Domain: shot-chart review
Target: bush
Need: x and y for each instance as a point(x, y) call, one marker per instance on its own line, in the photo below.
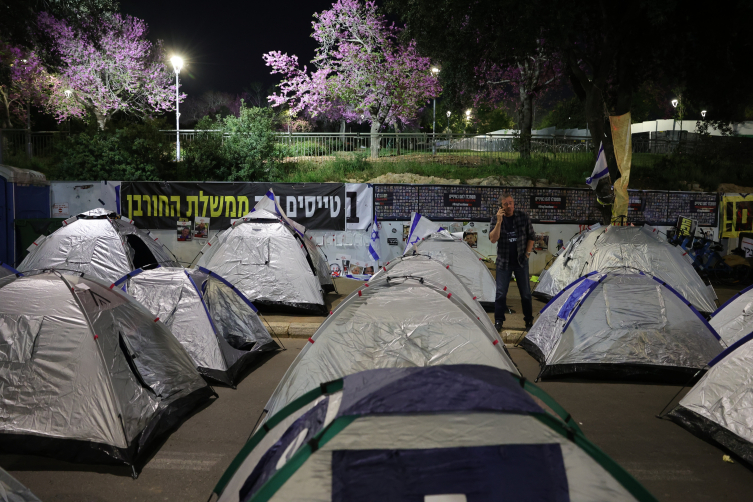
point(307, 149)
point(202, 157)
point(134, 152)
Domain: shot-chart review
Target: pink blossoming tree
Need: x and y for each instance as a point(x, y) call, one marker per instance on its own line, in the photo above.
point(119, 71)
point(28, 83)
point(362, 71)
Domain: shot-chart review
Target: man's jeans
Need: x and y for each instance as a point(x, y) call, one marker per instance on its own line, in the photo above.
point(503, 284)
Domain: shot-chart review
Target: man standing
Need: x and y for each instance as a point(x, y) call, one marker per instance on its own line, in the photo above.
point(513, 232)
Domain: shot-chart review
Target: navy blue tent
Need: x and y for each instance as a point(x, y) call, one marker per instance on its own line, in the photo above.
point(452, 432)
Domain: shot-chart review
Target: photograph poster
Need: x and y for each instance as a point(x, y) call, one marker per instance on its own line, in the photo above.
point(184, 231)
point(201, 228)
point(542, 241)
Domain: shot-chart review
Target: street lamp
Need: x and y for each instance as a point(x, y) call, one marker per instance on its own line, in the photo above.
point(177, 62)
point(435, 72)
point(467, 119)
point(675, 102)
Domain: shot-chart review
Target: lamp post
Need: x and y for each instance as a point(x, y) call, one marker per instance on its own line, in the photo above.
point(467, 118)
point(703, 114)
point(177, 64)
point(676, 102)
point(448, 129)
point(435, 72)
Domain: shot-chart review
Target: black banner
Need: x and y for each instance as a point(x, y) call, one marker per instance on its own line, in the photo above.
point(318, 206)
point(557, 202)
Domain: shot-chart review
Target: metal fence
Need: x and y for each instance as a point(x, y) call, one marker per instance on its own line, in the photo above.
point(22, 143)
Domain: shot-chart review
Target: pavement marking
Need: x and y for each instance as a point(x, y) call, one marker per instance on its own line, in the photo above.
point(184, 461)
point(658, 472)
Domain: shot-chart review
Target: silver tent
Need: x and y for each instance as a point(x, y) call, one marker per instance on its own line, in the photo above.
point(6, 270)
point(271, 262)
point(395, 321)
point(621, 326)
point(98, 243)
point(213, 321)
point(447, 433)
point(719, 408)
point(463, 261)
point(87, 374)
point(13, 491)
point(626, 248)
point(734, 319)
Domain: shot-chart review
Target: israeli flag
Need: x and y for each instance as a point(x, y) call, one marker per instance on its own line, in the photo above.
point(420, 227)
point(374, 247)
point(600, 169)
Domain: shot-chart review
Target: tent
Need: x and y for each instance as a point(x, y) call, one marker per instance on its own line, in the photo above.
point(13, 491)
point(98, 243)
point(269, 258)
point(213, 321)
point(609, 248)
point(719, 407)
point(86, 374)
point(440, 434)
point(6, 270)
point(435, 271)
point(734, 319)
point(463, 261)
point(395, 321)
point(621, 326)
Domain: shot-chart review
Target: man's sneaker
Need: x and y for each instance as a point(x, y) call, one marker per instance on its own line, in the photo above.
point(529, 324)
point(498, 326)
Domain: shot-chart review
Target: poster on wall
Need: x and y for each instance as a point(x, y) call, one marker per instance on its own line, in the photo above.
point(471, 238)
point(541, 241)
point(201, 228)
point(161, 204)
point(737, 214)
point(746, 244)
point(359, 205)
point(185, 233)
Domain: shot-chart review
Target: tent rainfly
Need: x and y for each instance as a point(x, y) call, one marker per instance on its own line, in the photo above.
point(86, 374)
point(98, 243)
point(611, 248)
point(734, 319)
point(621, 326)
point(446, 433)
point(428, 238)
point(6, 270)
point(13, 491)
point(213, 321)
point(395, 321)
point(268, 257)
point(719, 408)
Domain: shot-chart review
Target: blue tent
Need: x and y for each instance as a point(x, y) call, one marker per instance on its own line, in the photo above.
point(453, 432)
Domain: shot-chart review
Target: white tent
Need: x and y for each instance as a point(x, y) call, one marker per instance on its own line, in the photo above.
point(98, 243)
point(86, 374)
point(447, 433)
point(621, 326)
point(734, 319)
point(13, 491)
point(394, 321)
point(604, 249)
point(270, 260)
point(216, 325)
point(719, 408)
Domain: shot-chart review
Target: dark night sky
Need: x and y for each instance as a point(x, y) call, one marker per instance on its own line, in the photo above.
point(222, 40)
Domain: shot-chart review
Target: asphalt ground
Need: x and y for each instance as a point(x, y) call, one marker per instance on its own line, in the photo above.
point(619, 418)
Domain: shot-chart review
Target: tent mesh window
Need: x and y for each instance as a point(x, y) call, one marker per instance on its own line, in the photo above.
point(635, 306)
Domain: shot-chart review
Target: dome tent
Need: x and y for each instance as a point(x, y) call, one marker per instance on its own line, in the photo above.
point(734, 319)
point(395, 321)
point(213, 321)
point(268, 257)
point(6, 270)
point(621, 326)
point(13, 491)
point(719, 408)
point(98, 243)
point(428, 238)
point(612, 248)
point(87, 374)
point(450, 432)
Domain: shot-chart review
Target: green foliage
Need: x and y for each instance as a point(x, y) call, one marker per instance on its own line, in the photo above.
point(308, 149)
point(134, 152)
point(492, 119)
point(568, 114)
point(245, 149)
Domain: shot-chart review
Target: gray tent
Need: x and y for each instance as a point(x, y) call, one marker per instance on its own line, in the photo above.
point(626, 248)
point(734, 319)
point(6, 270)
point(213, 321)
point(86, 373)
point(395, 321)
point(621, 326)
point(463, 261)
point(98, 243)
point(272, 263)
point(13, 491)
point(446, 433)
point(719, 408)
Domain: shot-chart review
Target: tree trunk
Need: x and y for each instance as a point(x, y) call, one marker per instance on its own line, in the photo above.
point(397, 138)
point(375, 127)
point(525, 122)
point(101, 120)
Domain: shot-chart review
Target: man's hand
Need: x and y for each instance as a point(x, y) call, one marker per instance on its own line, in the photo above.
point(500, 214)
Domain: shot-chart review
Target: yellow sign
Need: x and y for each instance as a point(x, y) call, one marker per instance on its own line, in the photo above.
point(623, 151)
point(737, 212)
